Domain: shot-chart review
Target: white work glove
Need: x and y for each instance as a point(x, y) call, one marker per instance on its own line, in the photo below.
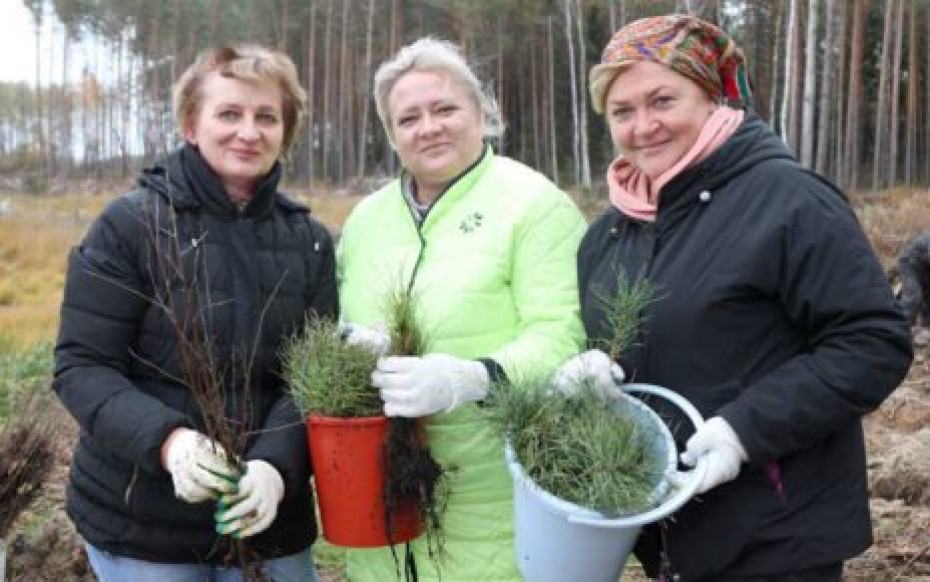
point(252, 508)
point(419, 386)
point(725, 455)
point(375, 338)
point(199, 468)
point(592, 368)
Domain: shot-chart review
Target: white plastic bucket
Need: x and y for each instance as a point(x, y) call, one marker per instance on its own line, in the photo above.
point(558, 541)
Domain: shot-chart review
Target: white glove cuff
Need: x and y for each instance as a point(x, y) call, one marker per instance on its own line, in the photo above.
point(469, 383)
point(728, 436)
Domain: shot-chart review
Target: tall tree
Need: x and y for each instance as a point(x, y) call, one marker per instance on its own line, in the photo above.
point(366, 98)
point(583, 101)
point(912, 121)
point(839, 141)
point(879, 160)
point(573, 87)
point(827, 78)
point(855, 94)
point(806, 143)
point(895, 122)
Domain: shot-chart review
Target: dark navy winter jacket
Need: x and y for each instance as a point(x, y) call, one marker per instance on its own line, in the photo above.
point(255, 274)
point(770, 310)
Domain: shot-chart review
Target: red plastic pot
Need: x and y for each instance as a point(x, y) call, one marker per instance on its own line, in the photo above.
point(349, 475)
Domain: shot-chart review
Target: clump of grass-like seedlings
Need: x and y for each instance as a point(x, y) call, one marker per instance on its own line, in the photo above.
point(414, 475)
point(327, 376)
point(594, 454)
point(577, 448)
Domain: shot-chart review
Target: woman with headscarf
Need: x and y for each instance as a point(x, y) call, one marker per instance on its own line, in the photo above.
point(770, 312)
point(486, 245)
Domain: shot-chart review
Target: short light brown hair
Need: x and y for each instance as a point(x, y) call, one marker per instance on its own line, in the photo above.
point(245, 62)
point(437, 56)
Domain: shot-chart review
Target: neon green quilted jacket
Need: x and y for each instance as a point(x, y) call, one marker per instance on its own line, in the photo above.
point(493, 265)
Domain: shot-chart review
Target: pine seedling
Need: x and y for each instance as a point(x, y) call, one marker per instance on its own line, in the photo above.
point(327, 376)
point(623, 310)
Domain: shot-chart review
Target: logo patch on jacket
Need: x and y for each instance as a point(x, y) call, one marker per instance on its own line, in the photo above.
point(471, 222)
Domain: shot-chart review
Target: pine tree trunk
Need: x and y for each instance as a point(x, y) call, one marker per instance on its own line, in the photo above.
point(366, 92)
point(913, 71)
point(855, 94)
point(881, 116)
point(827, 82)
point(894, 123)
point(806, 143)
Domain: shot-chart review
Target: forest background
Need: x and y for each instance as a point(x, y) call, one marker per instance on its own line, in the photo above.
point(845, 82)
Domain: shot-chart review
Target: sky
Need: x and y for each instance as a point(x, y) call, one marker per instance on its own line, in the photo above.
point(17, 42)
point(18, 45)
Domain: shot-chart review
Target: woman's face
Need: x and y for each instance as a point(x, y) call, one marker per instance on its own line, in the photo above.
point(239, 129)
point(437, 127)
point(655, 115)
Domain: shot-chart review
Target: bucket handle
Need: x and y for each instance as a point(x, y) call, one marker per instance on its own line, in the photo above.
point(680, 496)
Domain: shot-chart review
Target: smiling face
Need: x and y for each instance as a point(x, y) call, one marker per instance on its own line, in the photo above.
point(239, 130)
point(655, 115)
point(437, 129)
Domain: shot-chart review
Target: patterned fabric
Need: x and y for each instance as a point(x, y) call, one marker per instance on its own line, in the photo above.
point(694, 48)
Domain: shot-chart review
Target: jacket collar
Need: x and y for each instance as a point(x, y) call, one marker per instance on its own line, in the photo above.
point(185, 179)
point(457, 189)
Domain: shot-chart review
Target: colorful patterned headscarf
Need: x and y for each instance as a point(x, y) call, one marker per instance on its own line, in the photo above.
point(689, 46)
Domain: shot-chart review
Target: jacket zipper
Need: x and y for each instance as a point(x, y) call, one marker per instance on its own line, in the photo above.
point(132, 482)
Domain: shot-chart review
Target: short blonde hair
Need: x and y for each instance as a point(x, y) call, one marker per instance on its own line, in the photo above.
point(246, 62)
point(600, 79)
point(440, 56)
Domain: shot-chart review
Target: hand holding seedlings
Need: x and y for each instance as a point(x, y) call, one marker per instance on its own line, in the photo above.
point(252, 507)
point(199, 468)
point(375, 338)
point(419, 386)
point(725, 454)
point(592, 368)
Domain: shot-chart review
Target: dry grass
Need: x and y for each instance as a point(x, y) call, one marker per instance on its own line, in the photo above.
point(893, 217)
point(35, 238)
point(34, 241)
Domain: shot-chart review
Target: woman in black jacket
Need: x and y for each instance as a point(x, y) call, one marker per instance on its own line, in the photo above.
point(208, 250)
point(770, 312)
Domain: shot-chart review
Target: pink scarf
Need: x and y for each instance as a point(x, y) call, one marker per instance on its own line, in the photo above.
point(631, 191)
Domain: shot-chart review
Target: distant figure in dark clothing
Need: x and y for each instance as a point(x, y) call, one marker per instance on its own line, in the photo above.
point(913, 266)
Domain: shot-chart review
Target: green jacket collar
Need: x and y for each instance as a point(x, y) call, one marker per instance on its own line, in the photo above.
point(457, 189)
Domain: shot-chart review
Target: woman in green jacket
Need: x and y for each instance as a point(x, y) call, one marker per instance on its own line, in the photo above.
point(487, 246)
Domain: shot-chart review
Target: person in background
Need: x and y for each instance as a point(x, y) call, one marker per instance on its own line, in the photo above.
point(770, 312)
point(145, 477)
point(485, 244)
point(913, 270)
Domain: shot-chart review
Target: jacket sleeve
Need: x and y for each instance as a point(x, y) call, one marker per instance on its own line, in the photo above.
point(833, 290)
point(100, 314)
point(545, 290)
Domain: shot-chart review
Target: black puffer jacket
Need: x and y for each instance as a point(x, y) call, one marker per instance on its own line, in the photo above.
point(771, 311)
point(258, 273)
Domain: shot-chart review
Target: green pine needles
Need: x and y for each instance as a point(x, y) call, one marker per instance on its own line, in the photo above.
point(328, 377)
point(598, 455)
point(623, 310)
point(407, 331)
point(578, 449)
